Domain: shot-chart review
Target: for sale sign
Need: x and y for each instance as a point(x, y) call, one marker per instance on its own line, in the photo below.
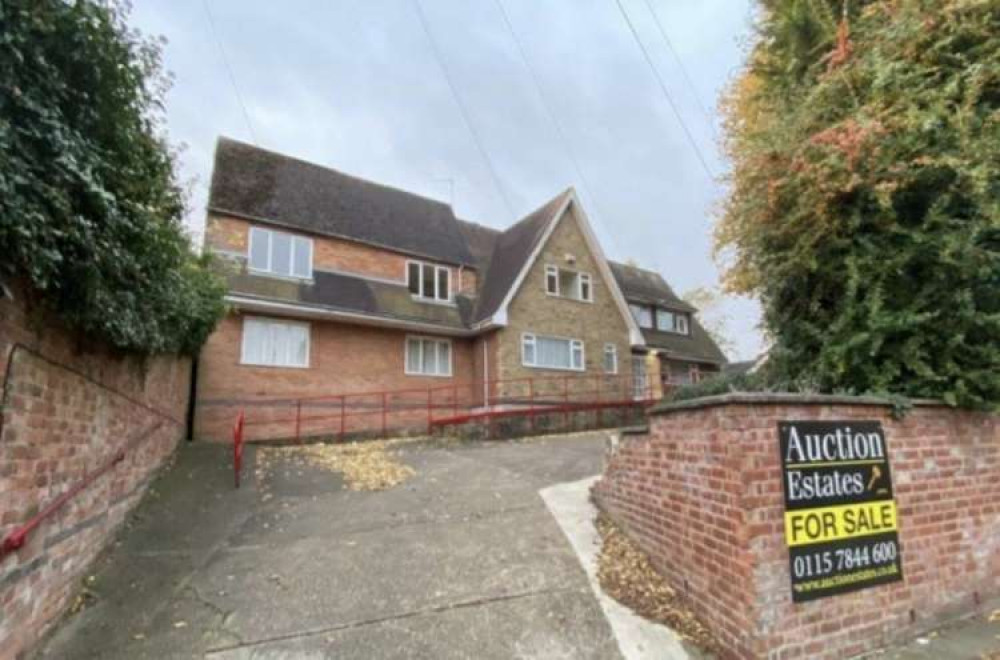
point(840, 516)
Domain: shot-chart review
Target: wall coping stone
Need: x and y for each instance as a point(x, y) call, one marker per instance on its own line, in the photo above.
point(782, 398)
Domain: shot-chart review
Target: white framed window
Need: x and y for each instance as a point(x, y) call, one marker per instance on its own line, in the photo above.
point(552, 280)
point(568, 284)
point(643, 315)
point(280, 253)
point(586, 291)
point(681, 323)
point(610, 359)
point(664, 320)
point(274, 343)
point(552, 352)
point(428, 281)
point(427, 356)
point(671, 321)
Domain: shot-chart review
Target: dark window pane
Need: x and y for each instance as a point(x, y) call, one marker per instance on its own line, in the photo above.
point(413, 278)
point(443, 283)
point(428, 289)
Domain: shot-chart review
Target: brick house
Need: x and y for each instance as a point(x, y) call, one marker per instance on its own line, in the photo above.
point(338, 285)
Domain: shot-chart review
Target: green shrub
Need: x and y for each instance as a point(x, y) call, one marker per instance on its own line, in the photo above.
point(90, 211)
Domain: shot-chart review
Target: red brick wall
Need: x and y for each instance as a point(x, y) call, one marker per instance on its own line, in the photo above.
point(231, 234)
point(702, 494)
point(343, 359)
point(63, 413)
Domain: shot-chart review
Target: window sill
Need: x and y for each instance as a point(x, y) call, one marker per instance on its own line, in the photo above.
point(576, 300)
point(422, 375)
point(273, 366)
point(434, 301)
point(569, 369)
point(284, 278)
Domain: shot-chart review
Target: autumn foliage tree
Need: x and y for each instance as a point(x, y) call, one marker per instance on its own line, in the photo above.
point(864, 208)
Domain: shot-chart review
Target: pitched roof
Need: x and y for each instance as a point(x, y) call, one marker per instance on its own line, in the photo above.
point(271, 187)
point(480, 241)
point(698, 346)
point(647, 286)
point(511, 251)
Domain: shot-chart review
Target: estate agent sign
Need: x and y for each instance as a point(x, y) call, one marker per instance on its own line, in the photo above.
point(840, 516)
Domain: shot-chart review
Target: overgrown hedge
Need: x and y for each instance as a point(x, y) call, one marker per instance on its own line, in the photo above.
point(90, 210)
point(865, 194)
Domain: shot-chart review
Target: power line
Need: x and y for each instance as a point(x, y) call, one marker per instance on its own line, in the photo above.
point(680, 63)
point(229, 70)
point(462, 109)
point(552, 117)
point(666, 92)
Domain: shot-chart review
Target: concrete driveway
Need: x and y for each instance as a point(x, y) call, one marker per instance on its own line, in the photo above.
point(464, 560)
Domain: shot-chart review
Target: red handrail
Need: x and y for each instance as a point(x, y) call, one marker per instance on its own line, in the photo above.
point(377, 411)
point(16, 539)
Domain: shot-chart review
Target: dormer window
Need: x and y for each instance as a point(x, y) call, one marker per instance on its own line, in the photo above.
point(643, 315)
point(568, 284)
point(676, 322)
point(279, 253)
point(428, 281)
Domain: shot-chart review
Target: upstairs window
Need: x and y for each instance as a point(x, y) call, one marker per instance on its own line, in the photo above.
point(643, 315)
point(428, 282)
point(568, 284)
point(551, 352)
point(671, 322)
point(279, 253)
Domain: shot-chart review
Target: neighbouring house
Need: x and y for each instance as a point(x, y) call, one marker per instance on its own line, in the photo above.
point(340, 285)
point(677, 350)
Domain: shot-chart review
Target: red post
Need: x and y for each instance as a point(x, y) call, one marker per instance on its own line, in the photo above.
point(531, 405)
point(566, 402)
point(343, 416)
point(298, 421)
point(600, 402)
point(384, 404)
point(430, 411)
point(238, 448)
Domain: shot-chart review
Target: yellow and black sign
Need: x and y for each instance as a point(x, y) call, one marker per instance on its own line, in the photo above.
point(840, 516)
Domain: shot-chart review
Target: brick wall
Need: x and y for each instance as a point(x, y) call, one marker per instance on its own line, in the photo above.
point(65, 411)
point(232, 235)
point(702, 494)
point(343, 358)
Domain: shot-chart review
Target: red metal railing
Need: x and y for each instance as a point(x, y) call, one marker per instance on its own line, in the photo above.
point(378, 412)
point(19, 535)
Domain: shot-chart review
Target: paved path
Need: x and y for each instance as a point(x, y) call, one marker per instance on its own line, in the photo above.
point(462, 561)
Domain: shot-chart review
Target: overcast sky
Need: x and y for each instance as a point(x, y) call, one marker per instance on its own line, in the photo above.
point(459, 115)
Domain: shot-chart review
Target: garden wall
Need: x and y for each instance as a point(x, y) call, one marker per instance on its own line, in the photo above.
point(702, 494)
point(67, 408)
